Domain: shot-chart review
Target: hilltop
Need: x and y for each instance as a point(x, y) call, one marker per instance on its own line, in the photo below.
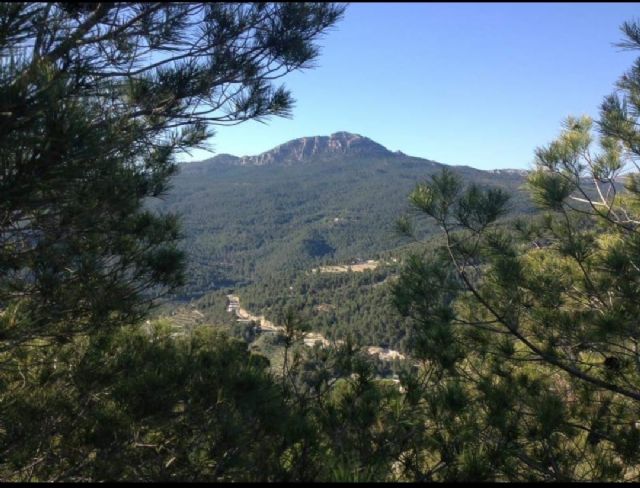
point(308, 149)
point(311, 201)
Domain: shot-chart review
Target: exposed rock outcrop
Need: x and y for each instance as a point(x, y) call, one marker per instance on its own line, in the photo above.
point(306, 149)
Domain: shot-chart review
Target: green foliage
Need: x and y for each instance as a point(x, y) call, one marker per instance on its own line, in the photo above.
point(243, 224)
point(95, 101)
point(544, 315)
point(424, 291)
point(523, 335)
point(338, 305)
point(549, 190)
point(90, 128)
point(143, 405)
point(477, 209)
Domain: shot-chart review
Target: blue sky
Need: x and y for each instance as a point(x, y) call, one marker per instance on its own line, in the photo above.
point(459, 83)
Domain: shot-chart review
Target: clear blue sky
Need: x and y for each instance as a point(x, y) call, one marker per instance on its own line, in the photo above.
point(474, 84)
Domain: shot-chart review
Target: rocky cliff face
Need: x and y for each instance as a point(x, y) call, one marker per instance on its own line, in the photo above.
point(307, 149)
point(340, 145)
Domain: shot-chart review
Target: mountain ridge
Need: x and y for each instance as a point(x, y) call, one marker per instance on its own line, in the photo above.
point(317, 148)
point(309, 148)
point(308, 202)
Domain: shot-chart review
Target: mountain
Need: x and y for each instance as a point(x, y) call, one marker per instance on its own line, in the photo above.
point(307, 202)
point(308, 149)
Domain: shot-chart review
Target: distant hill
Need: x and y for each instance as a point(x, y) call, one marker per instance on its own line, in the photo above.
point(308, 149)
point(309, 201)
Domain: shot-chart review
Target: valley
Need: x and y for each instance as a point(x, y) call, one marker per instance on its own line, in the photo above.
point(203, 278)
point(309, 339)
point(309, 225)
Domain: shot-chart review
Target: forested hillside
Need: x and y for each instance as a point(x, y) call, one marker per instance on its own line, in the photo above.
point(301, 204)
point(328, 310)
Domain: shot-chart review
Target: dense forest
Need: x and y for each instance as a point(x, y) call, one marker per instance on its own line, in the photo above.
point(243, 223)
point(512, 296)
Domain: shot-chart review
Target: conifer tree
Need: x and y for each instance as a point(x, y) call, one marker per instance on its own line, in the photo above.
point(535, 323)
point(95, 101)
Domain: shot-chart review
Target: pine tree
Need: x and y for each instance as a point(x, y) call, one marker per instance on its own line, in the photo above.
point(534, 323)
point(96, 99)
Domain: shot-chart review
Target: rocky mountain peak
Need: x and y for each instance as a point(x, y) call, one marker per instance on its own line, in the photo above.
point(309, 148)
